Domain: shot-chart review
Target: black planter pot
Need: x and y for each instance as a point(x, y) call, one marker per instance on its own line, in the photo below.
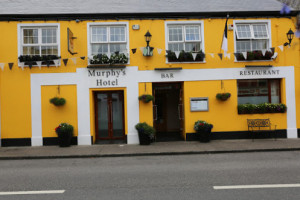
point(144, 139)
point(204, 135)
point(64, 139)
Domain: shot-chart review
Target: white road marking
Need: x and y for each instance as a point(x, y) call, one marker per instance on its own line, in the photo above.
point(233, 187)
point(33, 192)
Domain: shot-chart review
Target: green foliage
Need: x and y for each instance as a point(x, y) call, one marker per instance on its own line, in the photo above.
point(27, 58)
point(255, 55)
point(201, 125)
point(223, 96)
point(116, 58)
point(185, 56)
point(146, 98)
point(58, 101)
point(64, 128)
point(144, 128)
point(261, 108)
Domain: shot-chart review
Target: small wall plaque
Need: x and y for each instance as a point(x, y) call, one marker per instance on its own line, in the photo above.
point(199, 104)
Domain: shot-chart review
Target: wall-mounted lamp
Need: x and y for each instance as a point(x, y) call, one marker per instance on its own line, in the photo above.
point(290, 36)
point(148, 51)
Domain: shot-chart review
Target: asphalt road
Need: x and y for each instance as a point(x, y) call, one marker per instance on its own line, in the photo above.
point(155, 177)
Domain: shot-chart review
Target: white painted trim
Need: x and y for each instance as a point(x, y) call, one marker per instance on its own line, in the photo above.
point(250, 22)
point(89, 24)
point(40, 25)
point(32, 192)
point(130, 82)
point(201, 23)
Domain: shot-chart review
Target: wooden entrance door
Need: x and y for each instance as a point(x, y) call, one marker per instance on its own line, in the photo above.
point(109, 111)
point(168, 111)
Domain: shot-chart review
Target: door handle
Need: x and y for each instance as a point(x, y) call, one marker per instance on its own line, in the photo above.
point(155, 108)
point(179, 112)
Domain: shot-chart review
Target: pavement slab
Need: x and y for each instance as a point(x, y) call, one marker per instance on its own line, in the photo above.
point(157, 148)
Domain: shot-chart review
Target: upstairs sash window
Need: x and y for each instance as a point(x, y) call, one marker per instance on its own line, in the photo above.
point(251, 37)
point(108, 39)
point(39, 41)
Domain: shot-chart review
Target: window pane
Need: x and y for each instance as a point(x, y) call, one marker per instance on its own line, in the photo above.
point(99, 49)
point(99, 34)
point(175, 33)
point(243, 46)
point(260, 44)
point(31, 50)
point(49, 36)
point(260, 31)
point(49, 50)
point(192, 33)
point(30, 36)
point(176, 46)
point(275, 91)
point(192, 46)
point(117, 34)
point(117, 47)
point(243, 31)
point(257, 91)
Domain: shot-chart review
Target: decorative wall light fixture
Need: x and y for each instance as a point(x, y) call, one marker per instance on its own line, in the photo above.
point(148, 51)
point(290, 36)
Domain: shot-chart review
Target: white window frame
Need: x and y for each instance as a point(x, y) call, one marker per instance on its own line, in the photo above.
point(252, 22)
point(107, 24)
point(185, 23)
point(34, 26)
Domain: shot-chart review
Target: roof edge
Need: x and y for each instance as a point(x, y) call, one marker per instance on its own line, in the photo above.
point(120, 16)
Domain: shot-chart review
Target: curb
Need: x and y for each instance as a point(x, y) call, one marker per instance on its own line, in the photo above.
point(147, 154)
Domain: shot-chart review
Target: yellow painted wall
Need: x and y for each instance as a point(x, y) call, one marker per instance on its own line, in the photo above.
point(53, 115)
point(146, 109)
point(222, 114)
point(15, 83)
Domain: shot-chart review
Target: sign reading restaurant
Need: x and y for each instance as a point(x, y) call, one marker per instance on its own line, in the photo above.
point(107, 77)
point(263, 72)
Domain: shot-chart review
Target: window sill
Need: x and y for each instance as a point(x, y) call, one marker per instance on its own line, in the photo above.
point(247, 61)
point(105, 66)
point(200, 62)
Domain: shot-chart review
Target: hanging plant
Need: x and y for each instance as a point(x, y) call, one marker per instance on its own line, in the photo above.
point(58, 101)
point(146, 98)
point(223, 96)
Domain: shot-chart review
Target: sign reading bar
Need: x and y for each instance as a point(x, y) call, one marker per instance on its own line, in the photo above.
point(71, 42)
point(199, 104)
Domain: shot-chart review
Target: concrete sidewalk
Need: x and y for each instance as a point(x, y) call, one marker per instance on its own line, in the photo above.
point(158, 148)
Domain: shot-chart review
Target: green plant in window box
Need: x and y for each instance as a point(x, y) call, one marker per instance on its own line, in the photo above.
point(255, 55)
point(58, 101)
point(116, 58)
point(31, 59)
point(146, 98)
point(185, 56)
point(261, 108)
point(223, 96)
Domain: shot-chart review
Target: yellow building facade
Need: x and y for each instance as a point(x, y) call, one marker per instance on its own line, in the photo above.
point(184, 72)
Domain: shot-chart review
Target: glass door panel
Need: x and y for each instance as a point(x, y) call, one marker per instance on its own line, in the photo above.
point(103, 122)
point(117, 115)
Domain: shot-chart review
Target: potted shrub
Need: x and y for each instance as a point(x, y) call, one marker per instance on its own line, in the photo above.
point(146, 98)
point(203, 130)
point(65, 133)
point(223, 96)
point(58, 101)
point(146, 133)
